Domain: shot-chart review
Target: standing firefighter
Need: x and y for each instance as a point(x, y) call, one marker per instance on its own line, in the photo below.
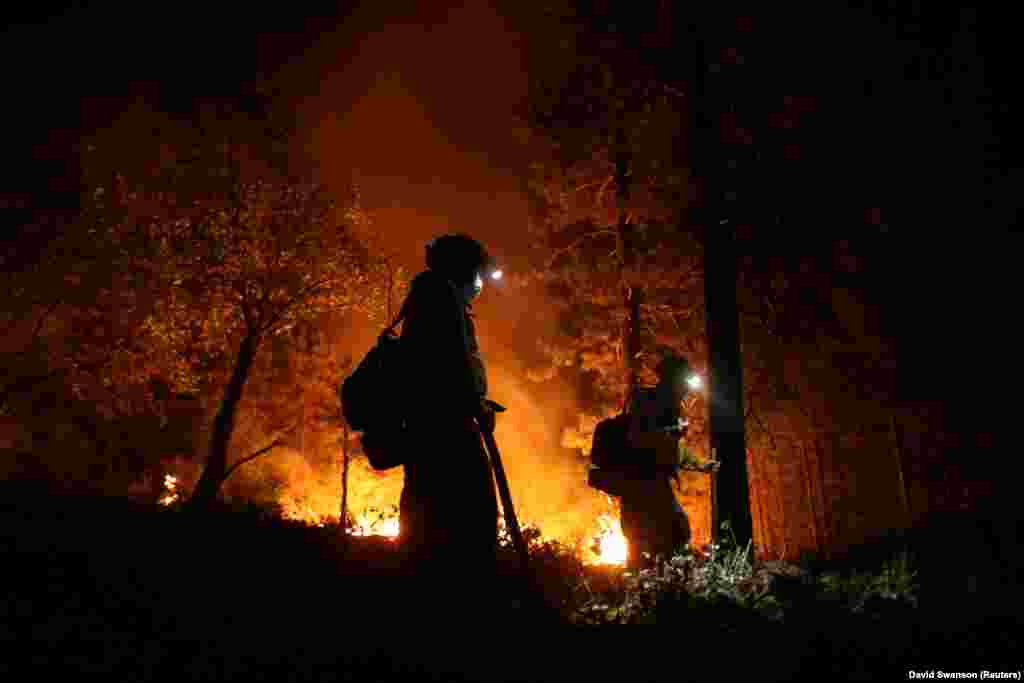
point(448, 507)
point(637, 456)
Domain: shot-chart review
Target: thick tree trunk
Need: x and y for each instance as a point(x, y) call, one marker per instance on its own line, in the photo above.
point(215, 471)
point(808, 477)
point(715, 217)
point(726, 383)
point(827, 526)
point(762, 540)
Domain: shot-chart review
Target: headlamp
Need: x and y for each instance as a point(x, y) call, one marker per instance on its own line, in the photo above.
point(695, 381)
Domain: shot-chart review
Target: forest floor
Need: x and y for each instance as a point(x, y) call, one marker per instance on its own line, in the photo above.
point(137, 593)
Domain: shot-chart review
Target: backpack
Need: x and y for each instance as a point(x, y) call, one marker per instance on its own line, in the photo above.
point(368, 401)
point(626, 450)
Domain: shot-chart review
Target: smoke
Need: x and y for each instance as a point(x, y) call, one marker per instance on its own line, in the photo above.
point(548, 482)
point(420, 111)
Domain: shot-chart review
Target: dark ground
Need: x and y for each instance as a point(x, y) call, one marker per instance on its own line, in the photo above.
point(96, 585)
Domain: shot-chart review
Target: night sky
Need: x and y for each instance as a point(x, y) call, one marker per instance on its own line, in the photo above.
point(415, 104)
point(417, 101)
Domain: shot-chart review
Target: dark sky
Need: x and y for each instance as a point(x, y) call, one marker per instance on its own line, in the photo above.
point(416, 100)
point(422, 94)
point(417, 104)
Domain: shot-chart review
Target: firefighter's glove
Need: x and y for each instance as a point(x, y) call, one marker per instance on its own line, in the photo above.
point(486, 418)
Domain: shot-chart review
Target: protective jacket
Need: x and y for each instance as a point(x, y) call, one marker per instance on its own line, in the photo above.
point(448, 505)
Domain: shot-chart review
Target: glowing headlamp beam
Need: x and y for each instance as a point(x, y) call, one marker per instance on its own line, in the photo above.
point(694, 381)
point(496, 275)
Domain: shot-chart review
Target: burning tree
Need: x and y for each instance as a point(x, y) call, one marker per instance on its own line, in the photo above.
point(233, 251)
point(785, 250)
point(608, 188)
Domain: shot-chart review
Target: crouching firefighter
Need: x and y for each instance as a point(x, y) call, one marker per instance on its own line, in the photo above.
point(448, 507)
point(636, 455)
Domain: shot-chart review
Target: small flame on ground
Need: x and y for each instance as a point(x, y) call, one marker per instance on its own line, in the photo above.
point(171, 488)
point(301, 513)
point(371, 522)
point(379, 524)
point(610, 546)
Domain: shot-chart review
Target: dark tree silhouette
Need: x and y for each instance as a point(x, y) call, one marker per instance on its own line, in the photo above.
point(715, 215)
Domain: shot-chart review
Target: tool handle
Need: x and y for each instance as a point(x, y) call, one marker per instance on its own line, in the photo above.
point(506, 500)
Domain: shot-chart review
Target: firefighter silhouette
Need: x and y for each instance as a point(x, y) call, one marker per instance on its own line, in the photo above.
point(637, 457)
point(448, 508)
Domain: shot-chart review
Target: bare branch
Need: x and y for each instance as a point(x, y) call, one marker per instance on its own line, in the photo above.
point(585, 186)
point(599, 200)
point(42, 319)
point(248, 458)
point(576, 243)
point(283, 310)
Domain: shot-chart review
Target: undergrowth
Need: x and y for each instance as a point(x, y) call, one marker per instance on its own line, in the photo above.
point(723, 576)
point(726, 577)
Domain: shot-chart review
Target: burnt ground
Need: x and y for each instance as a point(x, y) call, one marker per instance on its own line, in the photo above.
point(134, 592)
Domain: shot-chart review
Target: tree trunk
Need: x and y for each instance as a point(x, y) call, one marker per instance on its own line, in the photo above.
point(778, 509)
point(762, 540)
point(808, 477)
point(716, 223)
point(827, 526)
point(215, 471)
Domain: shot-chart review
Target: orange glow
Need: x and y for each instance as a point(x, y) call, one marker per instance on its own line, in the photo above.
point(171, 494)
point(610, 546)
point(379, 524)
point(302, 513)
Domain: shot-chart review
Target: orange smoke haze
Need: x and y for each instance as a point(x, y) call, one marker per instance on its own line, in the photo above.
point(548, 483)
point(420, 113)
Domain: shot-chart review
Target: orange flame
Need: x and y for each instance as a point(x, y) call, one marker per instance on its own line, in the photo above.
point(302, 513)
point(610, 546)
point(380, 524)
point(171, 488)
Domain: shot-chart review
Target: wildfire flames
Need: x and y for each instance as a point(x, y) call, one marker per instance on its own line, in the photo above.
point(610, 545)
point(607, 544)
point(371, 522)
point(171, 494)
point(378, 524)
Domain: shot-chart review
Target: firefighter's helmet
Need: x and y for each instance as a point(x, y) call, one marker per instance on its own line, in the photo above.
point(459, 257)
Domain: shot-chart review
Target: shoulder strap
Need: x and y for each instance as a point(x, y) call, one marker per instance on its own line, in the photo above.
point(401, 316)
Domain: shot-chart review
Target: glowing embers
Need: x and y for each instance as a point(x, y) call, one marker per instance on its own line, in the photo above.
point(530, 531)
point(171, 494)
point(296, 512)
point(374, 522)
